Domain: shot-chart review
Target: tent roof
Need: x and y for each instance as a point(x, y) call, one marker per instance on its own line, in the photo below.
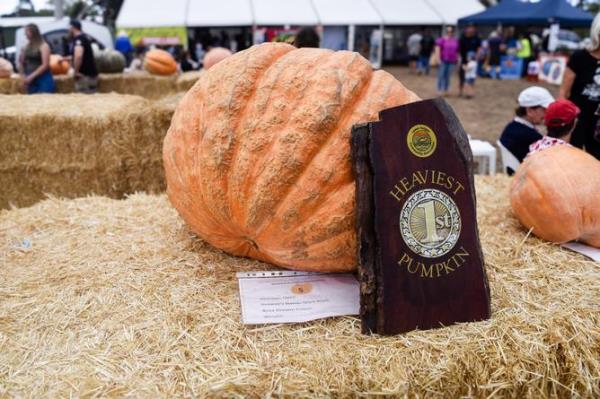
point(152, 13)
point(337, 12)
point(219, 13)
point(451, 11)
point(518, 12)
point(284, 12)
point(407, 12)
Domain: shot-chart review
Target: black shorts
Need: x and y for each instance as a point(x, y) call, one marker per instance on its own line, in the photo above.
point(413, 57)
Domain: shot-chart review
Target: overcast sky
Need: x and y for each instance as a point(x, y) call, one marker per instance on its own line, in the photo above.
point(7, 6)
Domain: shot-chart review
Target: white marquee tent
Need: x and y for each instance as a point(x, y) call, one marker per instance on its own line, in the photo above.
point(196, 13)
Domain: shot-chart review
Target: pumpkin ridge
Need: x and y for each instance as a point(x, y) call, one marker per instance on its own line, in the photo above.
point(242, 118)
point(347, 112)
point(262, 166)
point(213, 180)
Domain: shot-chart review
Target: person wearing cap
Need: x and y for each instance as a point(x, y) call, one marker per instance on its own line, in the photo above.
point(560, 121)
point(519, 134)
point(84, 64)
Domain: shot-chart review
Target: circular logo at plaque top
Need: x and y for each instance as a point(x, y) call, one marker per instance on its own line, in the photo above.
point(421, 141)
point(430, 223)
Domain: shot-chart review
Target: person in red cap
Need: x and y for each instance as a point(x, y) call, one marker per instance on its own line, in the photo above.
point(560, 121)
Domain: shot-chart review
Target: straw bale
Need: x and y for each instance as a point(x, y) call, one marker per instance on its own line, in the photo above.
point(186, 80)
point(110, 298)
point(139, 83)
point(64, 83)
point(11, 86)
point(73, 145)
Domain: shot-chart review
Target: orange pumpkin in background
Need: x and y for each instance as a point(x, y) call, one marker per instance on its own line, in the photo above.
point(215, 56)
point(557, 193)
point(257, 157)
point(6, 68)
point(59, 65)
point(160, 62)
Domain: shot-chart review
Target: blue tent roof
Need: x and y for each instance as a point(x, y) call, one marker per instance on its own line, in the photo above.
point(522, 12)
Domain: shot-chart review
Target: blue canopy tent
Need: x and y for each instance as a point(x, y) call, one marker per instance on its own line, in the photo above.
point(522, 12)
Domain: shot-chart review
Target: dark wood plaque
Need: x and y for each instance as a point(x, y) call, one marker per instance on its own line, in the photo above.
point(420, 260)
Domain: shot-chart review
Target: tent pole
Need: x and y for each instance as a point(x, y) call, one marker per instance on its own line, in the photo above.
point(58, 9)
point(351, 35)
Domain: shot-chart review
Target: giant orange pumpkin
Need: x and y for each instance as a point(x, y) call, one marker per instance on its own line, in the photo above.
point(214, 56)
point(257, 157)
point(160, 62)
point(557, 193)
point(59, 65)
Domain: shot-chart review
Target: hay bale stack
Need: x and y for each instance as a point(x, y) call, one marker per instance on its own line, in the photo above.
point(64, 83)
point(73, 145)
point(137, 83)
point(11, 86)
point(120, 292)
point(186, 80)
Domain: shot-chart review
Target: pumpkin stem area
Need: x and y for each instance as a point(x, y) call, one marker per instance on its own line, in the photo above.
point(251, 243)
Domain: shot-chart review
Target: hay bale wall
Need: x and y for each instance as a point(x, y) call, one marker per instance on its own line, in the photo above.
point(115, 298)
point(74, 145)
point(186, 80)
point(11, 86)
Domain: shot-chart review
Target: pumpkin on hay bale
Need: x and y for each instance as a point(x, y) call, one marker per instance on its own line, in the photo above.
point(59, 65)
point(556, 193)
point(214, 56)
point(6, 68)
point(257, 157)
point(121, 292)
point(110, 61)
point(160, 62)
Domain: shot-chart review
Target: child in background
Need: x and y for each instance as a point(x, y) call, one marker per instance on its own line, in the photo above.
point(560, 120)
point(470, 69)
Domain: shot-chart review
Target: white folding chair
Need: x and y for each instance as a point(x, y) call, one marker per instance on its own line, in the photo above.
point(508, 159)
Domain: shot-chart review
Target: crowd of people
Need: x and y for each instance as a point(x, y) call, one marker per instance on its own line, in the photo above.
point(573, 119)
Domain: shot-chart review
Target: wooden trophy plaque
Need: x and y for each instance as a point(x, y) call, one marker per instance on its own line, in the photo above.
point(420, 260)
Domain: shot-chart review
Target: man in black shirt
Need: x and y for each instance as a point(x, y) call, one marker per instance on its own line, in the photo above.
point(469, 42)
point(86, 74)
point(519, 134)
point(427, 46)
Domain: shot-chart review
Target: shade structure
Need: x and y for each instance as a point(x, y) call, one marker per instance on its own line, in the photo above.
point(342, 12)
point(284, 12)
point(452, 10)
point(219, 13)
point(407, 12)
point(152, 13)
point(543, 12)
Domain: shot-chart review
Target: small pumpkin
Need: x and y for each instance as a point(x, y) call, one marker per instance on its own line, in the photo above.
point(215, 56)
point(257, 157)
point(110, 61)
point(160, 62)
point(59, 65)
point(557, 193)
point(6, 68)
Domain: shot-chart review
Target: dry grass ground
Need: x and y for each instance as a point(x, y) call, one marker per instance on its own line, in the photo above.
point(113, 298)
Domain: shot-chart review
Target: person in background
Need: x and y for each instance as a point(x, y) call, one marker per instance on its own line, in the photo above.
point(519, 134)
point(200, 53)
point(560, 120)
point(413, 44)
point(581, 85)
point(86, 73)
point(524, 52)
point(447, 47)
point(495, 49)
point(34, 63)
point(123, 46)
point(427, 45)
point(470, 69)
point(307, 37)
point(186, 63)
point(469, 43)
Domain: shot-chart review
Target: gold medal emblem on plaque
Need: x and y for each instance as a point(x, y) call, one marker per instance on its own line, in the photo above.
point(430, 223)
point(421, 140)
